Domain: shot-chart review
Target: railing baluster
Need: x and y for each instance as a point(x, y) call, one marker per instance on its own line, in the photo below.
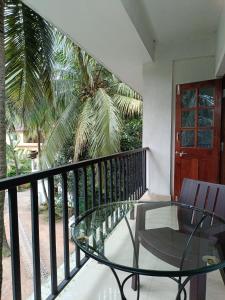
point(132, 177)
point(52, 237)
point(65, 226)
point(106, 180)
point(135, 170)
point(144, 170)
point(119, 178)
point(141, 173)
point(93, 185)
point(116, 180)
point(14, 239)
point(138, 176)
point(99, 183)
point(132, 185)
point(135, 176)
point(127, 180)
point(76, 209)
point(111, 179)
point(85, 195)
point(129, 177)
point(116, 187)
point(124, 179)
point(35, 241)
point(106, 192)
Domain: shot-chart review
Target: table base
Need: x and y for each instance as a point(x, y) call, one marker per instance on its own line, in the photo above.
point(181, 285)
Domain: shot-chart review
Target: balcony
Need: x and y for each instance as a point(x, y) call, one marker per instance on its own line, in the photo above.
point(73, 276)
point(158, 48)
point(79, 186)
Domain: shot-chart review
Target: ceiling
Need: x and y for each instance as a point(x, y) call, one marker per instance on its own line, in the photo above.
point(182, 19)
point(103, 29)
point(121, 34)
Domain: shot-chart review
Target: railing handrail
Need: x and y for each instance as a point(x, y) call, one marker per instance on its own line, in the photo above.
point(14, 181)
point(117, 177)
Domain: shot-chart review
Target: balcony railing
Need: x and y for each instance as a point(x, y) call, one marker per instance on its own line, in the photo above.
point(117, 177)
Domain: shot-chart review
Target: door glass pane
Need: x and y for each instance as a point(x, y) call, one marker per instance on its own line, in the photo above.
point(206, 96)
point(205, 117)
point(205, 138)
point(187, 138)
point(188, 98)
point(188, 118)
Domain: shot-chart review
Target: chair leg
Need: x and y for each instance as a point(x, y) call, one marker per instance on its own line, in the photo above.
point(198, 287)
point(134, 282)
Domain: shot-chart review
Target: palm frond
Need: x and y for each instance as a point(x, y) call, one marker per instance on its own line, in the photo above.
point(128, 106)
point(124, 90)
point(106, 126)
point(29, 48)
point(60, 132)
point(83, 128)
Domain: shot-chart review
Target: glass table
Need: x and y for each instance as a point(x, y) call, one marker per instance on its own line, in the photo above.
point(165, 239)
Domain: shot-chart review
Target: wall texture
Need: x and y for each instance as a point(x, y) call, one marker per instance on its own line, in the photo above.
point(160, 80)
point(157, 124)
point(220, 50)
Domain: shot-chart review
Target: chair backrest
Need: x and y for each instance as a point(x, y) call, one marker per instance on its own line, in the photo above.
point(204, 195)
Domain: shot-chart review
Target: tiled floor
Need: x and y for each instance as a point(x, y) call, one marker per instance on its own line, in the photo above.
point(96, 281)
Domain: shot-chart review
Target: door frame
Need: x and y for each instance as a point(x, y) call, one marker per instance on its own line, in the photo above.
point(174, 128)
point(222, 140)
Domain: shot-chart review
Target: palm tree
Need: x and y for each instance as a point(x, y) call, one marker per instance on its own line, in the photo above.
point(2, 131)
point(26, 47)
point(29, 54)
point(90, 103)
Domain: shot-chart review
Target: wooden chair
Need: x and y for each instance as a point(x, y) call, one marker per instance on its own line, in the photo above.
point(203, 195)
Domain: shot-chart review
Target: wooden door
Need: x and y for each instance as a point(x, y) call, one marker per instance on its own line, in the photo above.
point(198, 127)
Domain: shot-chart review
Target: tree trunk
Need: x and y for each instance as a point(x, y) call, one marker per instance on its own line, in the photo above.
point(40, 166)
point(13, 153)
point(2, 132)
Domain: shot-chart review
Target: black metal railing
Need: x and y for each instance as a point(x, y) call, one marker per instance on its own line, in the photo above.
point(117, 177)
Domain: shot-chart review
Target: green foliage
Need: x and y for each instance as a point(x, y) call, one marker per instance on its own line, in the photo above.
point(24, 163)
point(29, 59)
point(132, 134)
point(29, 50)
point(56, 88)
point(91, 104)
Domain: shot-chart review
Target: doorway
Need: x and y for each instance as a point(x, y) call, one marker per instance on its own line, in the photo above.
point(198, 132)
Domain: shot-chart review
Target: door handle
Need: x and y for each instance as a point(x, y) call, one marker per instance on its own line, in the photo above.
point(180, 153)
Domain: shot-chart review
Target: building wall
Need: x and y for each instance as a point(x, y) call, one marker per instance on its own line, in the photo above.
point(220, 46)
point(160, 80)
point(157, 97)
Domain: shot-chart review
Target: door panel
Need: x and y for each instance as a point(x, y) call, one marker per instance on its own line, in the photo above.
point(198, 123)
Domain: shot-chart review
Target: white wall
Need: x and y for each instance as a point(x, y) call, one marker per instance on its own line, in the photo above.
point(157, 124)
point(141, 22)
point(220, 51)
point(160, 80)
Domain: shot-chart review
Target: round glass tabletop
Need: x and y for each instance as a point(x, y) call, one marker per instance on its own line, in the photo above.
point(152, 238)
